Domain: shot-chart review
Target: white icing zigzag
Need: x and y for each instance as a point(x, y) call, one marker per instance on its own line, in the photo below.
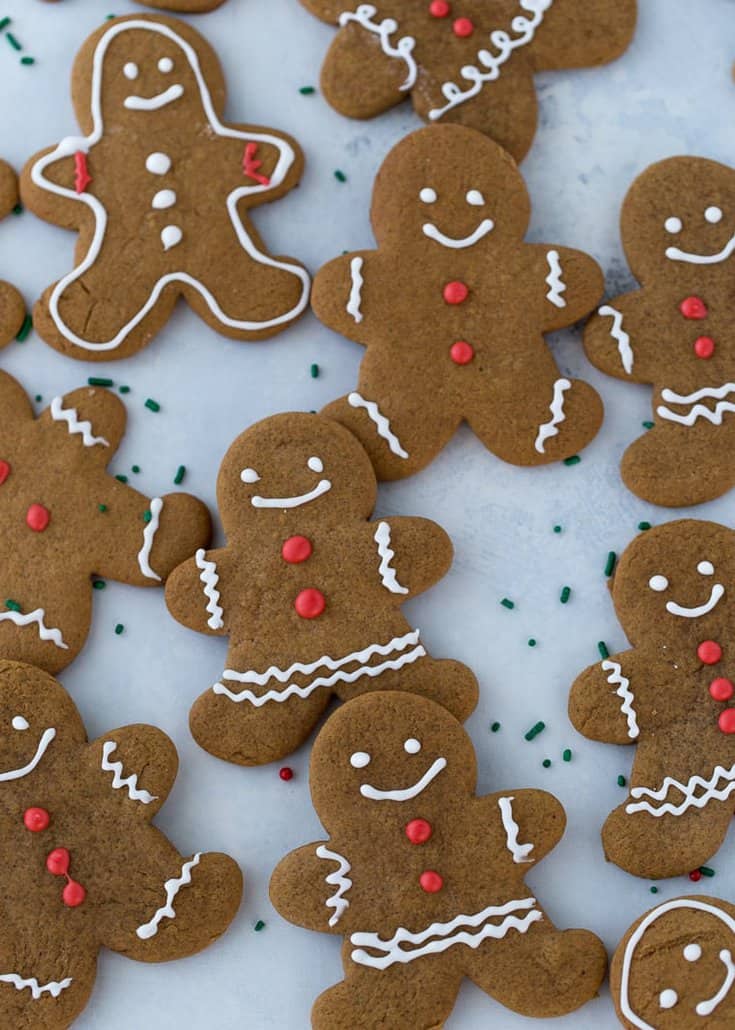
point(520, 852)
point(83, 429)
point(624, 693)
point(386, 555)
point(381, 423)
point(698, 411)
point(554, 281)
point(548, 429)
point(149, 535)
point(37, 616)
point(354, 304)
point(37, 989)
point(130, 783)
point(384, 30)
point(172, 888)
point(688, 790)
point(210, 579)
point(619, 335)
point(338, 879)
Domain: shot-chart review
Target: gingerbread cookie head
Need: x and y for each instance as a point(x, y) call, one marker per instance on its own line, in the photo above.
point(12, 307)
point(675, 967)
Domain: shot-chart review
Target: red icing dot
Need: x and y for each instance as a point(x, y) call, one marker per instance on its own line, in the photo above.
point(709, 652)
point(38, 518)
point(58, 861)
point(456, 293)
point(721, 689)
point(419, 831)
point(310, 603)
point(704, 347)
point(693, 307)
point(439, 8)
point(463, 27)
point(286, 773)
point(695, 876)
point(431, 882)
point(461, 352)
point(73, 894)
point(4, 471)
point(726, 722)
point(36, 819)
point(296, 549)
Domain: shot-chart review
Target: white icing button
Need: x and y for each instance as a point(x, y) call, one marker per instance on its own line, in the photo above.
point(130, 70)
point(165, 65)
point(713, 215)
point(692, 952)
point(359, 760)
point(412, 746)
point(673, 225)
point(475, 198)
point(163, 199)
point(427, 195)
point(158, 163)
point(170, 236)
point(658, 583)
point(706, 568)
point(315, 464)
point(668, 998)
point(19, 723)
point(249, 476)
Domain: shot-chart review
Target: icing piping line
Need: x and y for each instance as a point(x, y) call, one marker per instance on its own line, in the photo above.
point(338, 879)
point(691, 800)
point(382, 424)
point(84, 429)
point(698, 410)
point(130, 783)
point(210, 579)
point(549, 429)
point(386, 555)
point(624, 693)
point(554, 280)
point(520, 852)
point(17, 774)
point(37, 989)
point(354, 304)
point(619, 335)
point(37, 616)
point(172, 888)
point(384, 30)
point(674, 254)
point(149, 535)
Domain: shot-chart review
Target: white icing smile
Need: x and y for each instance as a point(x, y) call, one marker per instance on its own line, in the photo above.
point(675, 254)
point(486, 225)
point(17, 774)
point(173, 93)
point(374, 794)
point(314, 464)
point(705, 1008)
point(660, 583)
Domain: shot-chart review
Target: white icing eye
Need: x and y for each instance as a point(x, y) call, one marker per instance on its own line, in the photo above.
point(673, 225)
point(706, 568)
point(692, 952)
point(412, 746)
point(315, 464)
point(249, 476)
point(359, 760)
point(428, 195)
point(475, 198)
point(130, 70)
point(667, 999)
point(19, 723)
point(165, 65)
point(713, 215)
point(658, 583)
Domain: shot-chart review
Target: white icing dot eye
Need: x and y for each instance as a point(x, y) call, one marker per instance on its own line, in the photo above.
point(130, 70)
point(692, 952)
point(673, 225)
point(359, 760)
point(165, 65)
point(315, 464)
point(706, 568)
point(475, 198)
point(412, 746)
point(19, 723)
point(658, 583)
point(668, 998)
point(249, 476)
point(713, 215)
point(428, 195)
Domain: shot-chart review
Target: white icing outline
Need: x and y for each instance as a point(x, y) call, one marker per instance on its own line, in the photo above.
point(691, 800)
point(407, 793)
point(382, 424)
point(383, 30)
point(386, 555)
point(210, 579)
point(548, 429)
point(17, 774)
point(323, 487)
point(449, 934)
point(27, 619)
point(354, 303)
point(624, 693)
point(172, 888)
point(554, 280)
point(169, 96)
point(620, 336)
point(718, 592)
point(72, 144)
point(338, 879)
point(486, 225)
point(129, 783)
point(149, 536)
point(674, 254)
point(698, 411)
point(76, 427)
point(53, 988)
point(520, 852)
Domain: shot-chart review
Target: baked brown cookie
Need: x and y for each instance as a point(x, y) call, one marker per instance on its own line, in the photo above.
point(308, 590)
point(468, 61)
point(67, 519)
point(12, 307)
point(182, 6)
point(678, 229)
point(674, 968)
point(83, 867)
point(452, 307)
point(160, 191)
point(672, 696)
point(424, 880)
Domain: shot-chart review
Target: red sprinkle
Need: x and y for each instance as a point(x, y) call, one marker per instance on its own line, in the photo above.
point(694, 308)
point(461, 352)
point(431, 882)
point(439, 8)
point(38, 518)
point(36, 819)
point(286, 773)
point(721, 689)
point(463, 27)
point(456, 293)
point(4, 471)
point(296, 549)
point(82, 178)
point(709, 652)
point(704, 347)
point(726, 722)
point(695, 876)
point(310, 603)
point(73, 894)
point(419, 831)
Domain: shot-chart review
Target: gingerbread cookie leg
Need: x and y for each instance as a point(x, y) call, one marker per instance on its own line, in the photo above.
point(358, 79)
point(51, 991)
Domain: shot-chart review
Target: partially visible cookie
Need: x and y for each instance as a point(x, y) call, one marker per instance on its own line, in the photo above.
point(675, 967)
point(12, 306)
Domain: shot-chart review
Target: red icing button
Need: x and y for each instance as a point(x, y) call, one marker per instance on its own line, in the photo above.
point(58, 861)
point(431, 882)
point(310, 603)
point(4, 471)
point(461, 352)
point(456, 293)
point(721, 689)
point(693, 307)
point(38, 518)
point(704, 347)
point(73, 894)
point(463, 27)
point(439, 8)
point(286, 773)
point(695, 876)
point(726, 722)
point(709, 652)
point(419, 831)
point(36, 819)
point(296, 549)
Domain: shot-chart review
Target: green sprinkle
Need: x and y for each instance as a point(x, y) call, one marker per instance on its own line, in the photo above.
point(180, 473)
point(99, 584)
point(306, 91)
point(135, 469)
point(13, 41)
point(28, 60)
point(643, 526)
point(13, 605)
point(546, 763)
point(602, 648)
point(706, 871)
point(18, 209)
point(567, 754)
point(260, 925)
point(532, 641)
point(25, 329)
point(152, 405)
point(99, 381)
point(124, 389)
point(647, 425)
point(535, 730)
point(610, 563)
point(507, 603)
point(340, 176)
point(4, 22)
point(147, 515)
point(121, 479)
point(654, 890)
point(102, 508)
point(39, 398)
point(119, 628)
point(565, 595)
point(574, 460)
point(557, 529)
point(314, 370)
point(495, 727)
point(621, 781)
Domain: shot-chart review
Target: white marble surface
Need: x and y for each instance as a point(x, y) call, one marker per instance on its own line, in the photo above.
point(672, 93)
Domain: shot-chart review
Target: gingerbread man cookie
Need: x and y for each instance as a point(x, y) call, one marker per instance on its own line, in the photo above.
point(469, 61)
point(83, 867)
point(12, 308)
point(671, 695)
point(678, 229)
point(425, 880)
point(160, 189)
point(183, 6)
point(308, 590)
point(452, 308)
point(66, 519)
point(675, 967)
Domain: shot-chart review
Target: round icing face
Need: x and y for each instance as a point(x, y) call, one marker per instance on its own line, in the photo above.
point(677, 969)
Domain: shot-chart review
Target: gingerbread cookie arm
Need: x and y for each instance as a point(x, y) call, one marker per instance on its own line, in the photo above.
point(137, 763)
point(412, 554)
point(327, 10)
point(338, 294)
point(528, 823)
point(311, 888)
point(584, 35)
point(616, 341)
point(194, 592)
point(49, 188)
point(269, 161)
point(603, 704)
point(92, 420)
point(572, 284)
point(45, 985)
point(14, 402)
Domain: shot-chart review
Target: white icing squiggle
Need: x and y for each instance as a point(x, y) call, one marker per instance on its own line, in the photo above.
point(17, 774)
point(149, 535)
point(37, 989)
point(697, 411)
point(624, 693)
point(382, 424)
point(520, 852)
point(403, 49)
point(447, 934)
point(338, 879)
point(710, 788)
point(619, 335)
point(554, 280)
point(37, 617)
point(505, 45)
point(84, 429)
point(549, 429)
point(354, 305)
point(130, 783)
point(210, 579)
point(386, 555)
point(172, 888)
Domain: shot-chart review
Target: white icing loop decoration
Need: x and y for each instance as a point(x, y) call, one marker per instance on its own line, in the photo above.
point(210, 579)
point(18, 774)
point(674, 254)
point(549, 429)
point(84, 429)
point(697, 411)
point(554, 280)
point(520, 852)
point(382, 424)
point(338, 879)
point(620, 336)
point(407, 793)
point(172, 888)
point(149, 535)
point(323, 487)
point(716, 595)
point(354, 304)
point(173, 93)
point(624, 693)
point(403, 48)
point(37, 990)
point(129, 783)
point(36, 618)
point(386, 554)
point(711, 791)
point(486, 225)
